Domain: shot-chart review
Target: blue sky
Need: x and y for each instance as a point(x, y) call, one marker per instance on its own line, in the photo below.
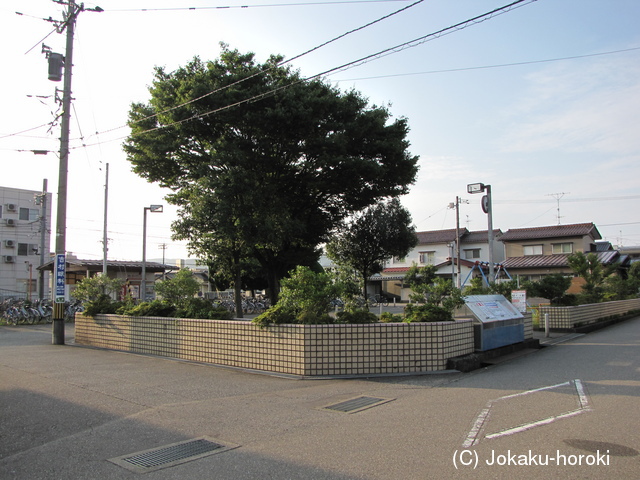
point(533, 102)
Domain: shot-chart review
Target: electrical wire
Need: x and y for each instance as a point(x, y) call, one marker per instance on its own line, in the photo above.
point(502, 65)
point(24, 131)
point(228, 7)
point(279, 64)
point(361, 61)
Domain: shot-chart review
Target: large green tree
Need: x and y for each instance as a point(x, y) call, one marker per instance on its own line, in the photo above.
point(372, 237)
point(271, 162)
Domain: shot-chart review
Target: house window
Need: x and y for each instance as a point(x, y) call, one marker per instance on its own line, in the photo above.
point(25, 249)
point(399, 259)
point(30, 214)
point(472, 253)
point(533, 250)
point(427, 258)
point(562, 248)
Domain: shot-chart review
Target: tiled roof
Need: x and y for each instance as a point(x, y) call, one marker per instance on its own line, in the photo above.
point(555, 231)
point(481, 236)
point(395, 270)
point(439, 236)
point(113, 264)
point(557, 260)
point(536, 261)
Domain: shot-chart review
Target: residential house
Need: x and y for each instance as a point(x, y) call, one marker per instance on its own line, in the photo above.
point(24, 239)
point(532, 253)
point(438, 247)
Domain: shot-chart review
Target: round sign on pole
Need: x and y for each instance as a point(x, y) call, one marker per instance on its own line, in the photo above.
point(485, 204)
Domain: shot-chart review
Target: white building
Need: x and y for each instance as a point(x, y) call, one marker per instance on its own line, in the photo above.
point(24, 242)
point(438, 247)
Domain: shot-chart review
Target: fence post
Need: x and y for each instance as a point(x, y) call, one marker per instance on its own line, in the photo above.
point(546, 325)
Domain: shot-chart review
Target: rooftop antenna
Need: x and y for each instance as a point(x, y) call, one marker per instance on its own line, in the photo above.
point(558, 196)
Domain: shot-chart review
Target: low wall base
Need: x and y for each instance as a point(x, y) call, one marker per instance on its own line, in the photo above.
point(301, 350)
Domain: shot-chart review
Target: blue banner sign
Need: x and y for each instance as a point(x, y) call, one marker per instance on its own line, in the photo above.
point(61, 274)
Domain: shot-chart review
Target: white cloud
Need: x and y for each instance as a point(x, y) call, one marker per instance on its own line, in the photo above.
point(591, 108)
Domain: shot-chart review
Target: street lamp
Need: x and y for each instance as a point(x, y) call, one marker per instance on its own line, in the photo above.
point(143, 283)
point(486, 208)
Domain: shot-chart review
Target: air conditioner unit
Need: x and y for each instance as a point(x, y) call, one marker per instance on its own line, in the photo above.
point(9, 259)
point(9, 243)
point(11, 207)
point(10, 222)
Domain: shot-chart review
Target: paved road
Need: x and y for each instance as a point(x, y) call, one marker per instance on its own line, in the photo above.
point(66, 410)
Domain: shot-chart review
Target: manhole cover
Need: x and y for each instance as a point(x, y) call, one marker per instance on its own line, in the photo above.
point(170, 455)
point(357, 404)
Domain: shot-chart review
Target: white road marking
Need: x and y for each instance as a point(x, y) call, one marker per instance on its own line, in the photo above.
point(481, 421)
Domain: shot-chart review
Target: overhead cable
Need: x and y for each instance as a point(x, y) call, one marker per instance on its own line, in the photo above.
point(361, 61)
point(284, 62)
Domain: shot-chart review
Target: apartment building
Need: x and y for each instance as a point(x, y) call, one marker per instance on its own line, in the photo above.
point(25, 219)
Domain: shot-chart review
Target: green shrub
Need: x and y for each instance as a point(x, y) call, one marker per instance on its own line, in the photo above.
point(202, 309)
point(427, 313)
point(155, 308)
point(388, 317)
point(274, 316)
point(313, 318)
point(358, 316)
point(103, 304)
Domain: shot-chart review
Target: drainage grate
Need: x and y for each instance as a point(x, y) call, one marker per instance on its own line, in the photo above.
point(170, 455)
point(357, 404)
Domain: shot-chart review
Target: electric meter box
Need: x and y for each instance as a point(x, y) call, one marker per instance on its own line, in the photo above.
point(497, 322)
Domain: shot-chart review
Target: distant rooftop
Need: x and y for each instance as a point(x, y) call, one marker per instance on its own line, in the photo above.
point(555, 231)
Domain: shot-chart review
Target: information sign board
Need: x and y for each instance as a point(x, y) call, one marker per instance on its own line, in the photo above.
point(519, 300)
point(61, 275)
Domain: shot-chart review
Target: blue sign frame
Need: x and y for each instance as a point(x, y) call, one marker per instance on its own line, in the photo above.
point(61, 277)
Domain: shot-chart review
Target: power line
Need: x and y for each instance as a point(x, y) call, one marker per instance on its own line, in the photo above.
point(228, 7)
point(361, 61)
point(500, 65)
point(279, 64)
point(572, 200)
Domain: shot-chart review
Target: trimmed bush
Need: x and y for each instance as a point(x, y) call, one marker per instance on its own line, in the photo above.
point(388, 317)
point(274, 316)
point(427, 313)
point(155, 308)
point(202, 309)
point(358, 316)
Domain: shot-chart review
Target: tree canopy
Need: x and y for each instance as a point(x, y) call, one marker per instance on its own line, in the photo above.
point(376, 235)
point(262, 163)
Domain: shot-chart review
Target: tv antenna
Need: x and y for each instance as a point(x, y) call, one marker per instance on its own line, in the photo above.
point(558, 196)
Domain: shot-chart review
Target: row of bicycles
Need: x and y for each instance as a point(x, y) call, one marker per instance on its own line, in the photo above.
point(250, 305)
point(15, 311)
point(360, 302)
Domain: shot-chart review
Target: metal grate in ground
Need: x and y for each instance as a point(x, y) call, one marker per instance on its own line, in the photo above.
point(357, 404)
point(170, 455)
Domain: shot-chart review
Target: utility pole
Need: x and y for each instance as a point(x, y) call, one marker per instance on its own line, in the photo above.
point(61, 223)
point(104, 237)
point(456, 205)
point(44, 249)
point(163, 247)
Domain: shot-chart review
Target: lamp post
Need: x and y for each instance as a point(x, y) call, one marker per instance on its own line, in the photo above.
point(143, 283)
point(486, 208)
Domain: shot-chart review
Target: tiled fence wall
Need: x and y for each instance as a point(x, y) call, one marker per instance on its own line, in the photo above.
point(572, 317)
point(305, 350)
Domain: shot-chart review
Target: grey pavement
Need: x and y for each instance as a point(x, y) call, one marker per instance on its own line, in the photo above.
point(66, 411)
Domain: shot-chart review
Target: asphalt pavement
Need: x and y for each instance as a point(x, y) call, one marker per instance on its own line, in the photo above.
point(72, 412)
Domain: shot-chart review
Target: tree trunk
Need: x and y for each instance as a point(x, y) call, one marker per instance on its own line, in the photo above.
point(364, 290)
point(237, 286)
